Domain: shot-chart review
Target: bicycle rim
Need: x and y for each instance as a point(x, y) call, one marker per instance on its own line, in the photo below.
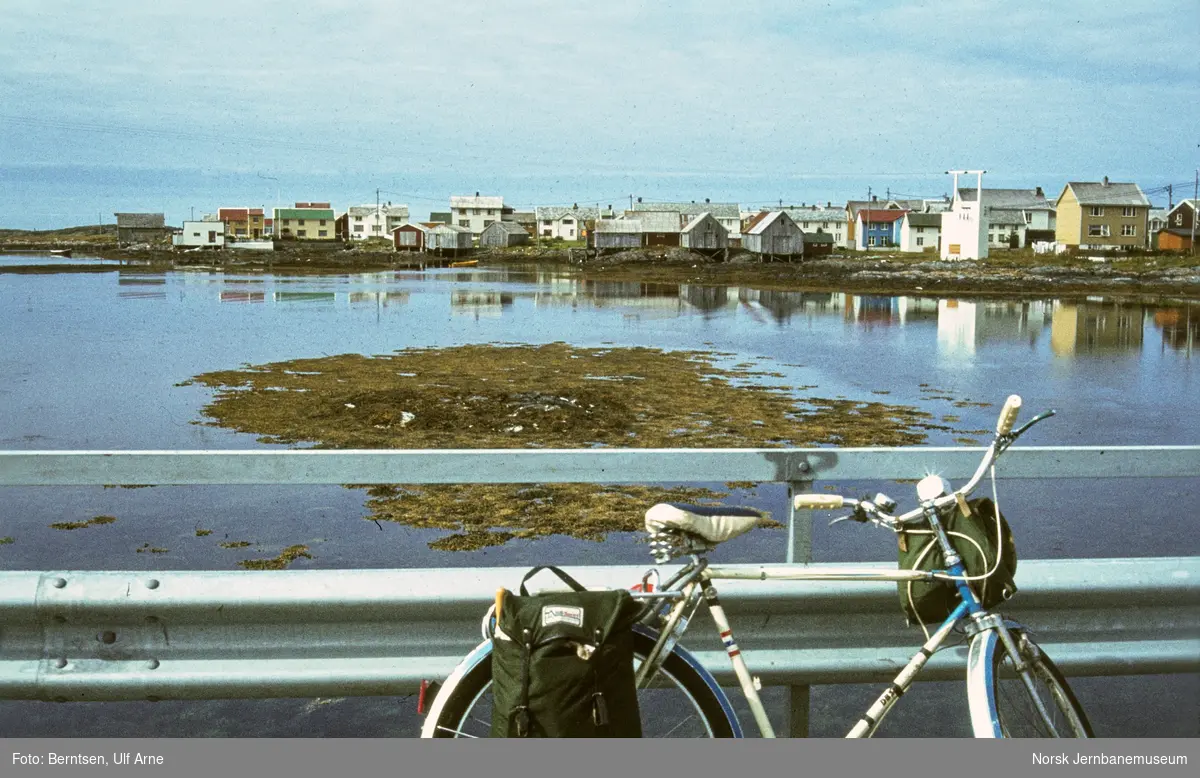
point(677, 704)
point(1012, 711)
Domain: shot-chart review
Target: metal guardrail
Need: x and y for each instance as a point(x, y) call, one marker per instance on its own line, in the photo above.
point(208, 635)
point(205, 635)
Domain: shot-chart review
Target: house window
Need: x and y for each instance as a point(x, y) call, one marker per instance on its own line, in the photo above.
point(1128, 230)
point(302, 233)
point(1128, 211)
point(357, 218)
point(920, 230)
point(920, 241)
point(838, 236)
point(322, 222)
point(376, 228)
point(1097, 210)
point(358, 228)
point(546, 233)
point(546, 224)
point(476, 211)
point(825, 225)
point(568, 221)
point(464, 222)
point(322, 233)
point(489, 211)
point(871, 241)
point(488, 222)
point(1098, 230)
point(1179, 220)
point(286, 222)
point(570, 233)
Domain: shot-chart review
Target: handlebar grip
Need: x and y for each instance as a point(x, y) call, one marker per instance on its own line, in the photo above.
point(818, 501)
point(1008, 414)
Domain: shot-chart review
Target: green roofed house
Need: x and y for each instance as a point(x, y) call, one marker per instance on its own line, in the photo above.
point(307, 221)
point(441, 217)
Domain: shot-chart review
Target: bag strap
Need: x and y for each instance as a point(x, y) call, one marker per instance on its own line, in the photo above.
point(568, 580)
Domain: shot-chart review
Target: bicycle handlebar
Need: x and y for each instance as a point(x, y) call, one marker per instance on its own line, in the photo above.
point(865, 510)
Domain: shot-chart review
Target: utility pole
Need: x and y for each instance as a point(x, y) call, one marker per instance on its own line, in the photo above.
point(1195, 200)
point(1170, 199)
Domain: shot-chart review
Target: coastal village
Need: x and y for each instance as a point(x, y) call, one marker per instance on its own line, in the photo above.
point(1087, 216)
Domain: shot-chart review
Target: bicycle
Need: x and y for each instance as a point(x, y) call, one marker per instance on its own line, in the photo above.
point(1013, 688)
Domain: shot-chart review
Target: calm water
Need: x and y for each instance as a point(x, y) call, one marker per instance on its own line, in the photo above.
point(91, 361)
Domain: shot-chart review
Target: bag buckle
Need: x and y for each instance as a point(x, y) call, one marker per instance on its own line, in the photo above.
point(599, 710)
point(522, 721)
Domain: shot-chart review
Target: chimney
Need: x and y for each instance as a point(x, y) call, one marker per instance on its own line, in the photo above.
point(1040, 193)
point(639, 199)
point(828, 203)
point(1106, 180)
point(706, 200)
point(874, 198)
point(477, 194)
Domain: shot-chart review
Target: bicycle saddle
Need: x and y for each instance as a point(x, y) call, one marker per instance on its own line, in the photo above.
point(714, 523)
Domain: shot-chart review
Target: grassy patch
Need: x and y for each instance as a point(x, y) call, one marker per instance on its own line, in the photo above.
point(93, 522)
point(285, 558)
point(549, 396)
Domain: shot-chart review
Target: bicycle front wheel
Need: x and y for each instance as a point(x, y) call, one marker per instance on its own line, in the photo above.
point(678, 703)
point(1002, 703)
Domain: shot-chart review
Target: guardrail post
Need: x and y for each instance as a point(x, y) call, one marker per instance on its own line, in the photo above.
point(799, 549)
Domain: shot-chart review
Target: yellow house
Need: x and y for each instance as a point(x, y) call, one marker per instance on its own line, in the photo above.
point(307, 221)
point(1104, 215)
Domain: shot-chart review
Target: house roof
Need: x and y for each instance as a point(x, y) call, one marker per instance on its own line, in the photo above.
point(818, 237)
point(444, 228)
point(554, 213)
point(386, 210)
point(238, 214)
point(474, 201)
point(623, 226)
point(438, 216)
point(508, 228)
point(1111, 193)
point(881, 217)
point(854, 206)
point(303, 213)
point(816, 214)
point(659, 221)
point(764, 222)
point(1189, 202)
point(1028, 199)
point(924, 219)
point(718, 210)
point(141, 220)
point(699, 219)
point(1006, 215)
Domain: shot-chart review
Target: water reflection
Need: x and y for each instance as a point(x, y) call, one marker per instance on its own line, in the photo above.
point(1096, 327)
point(959, 328)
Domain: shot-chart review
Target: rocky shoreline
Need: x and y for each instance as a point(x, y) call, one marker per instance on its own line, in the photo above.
point(1139, 276)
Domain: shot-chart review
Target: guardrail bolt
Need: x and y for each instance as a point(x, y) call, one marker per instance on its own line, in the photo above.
point(108, 636)
point(804, 467)
point(60, 663)
point(152, 664)
point(59, 583)
point(152, 583)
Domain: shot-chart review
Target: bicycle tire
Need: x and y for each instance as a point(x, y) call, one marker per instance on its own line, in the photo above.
point(1001, 706)
point(468, 689)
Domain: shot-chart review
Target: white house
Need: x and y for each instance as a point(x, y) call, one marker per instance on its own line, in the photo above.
point(1012, 212)
point(200, 233)
point(476, 212)
point(567, 223)
point(920, 232)
point(374, 221)
point(964, 226)
point(812, 219)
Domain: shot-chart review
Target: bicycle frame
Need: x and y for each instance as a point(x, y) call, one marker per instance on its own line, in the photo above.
point(695, 582)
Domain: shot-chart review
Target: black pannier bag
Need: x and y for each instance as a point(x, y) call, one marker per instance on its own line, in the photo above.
point(562, 663)
point(974, 536)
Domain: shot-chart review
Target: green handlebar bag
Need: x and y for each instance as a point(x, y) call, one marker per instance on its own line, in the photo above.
point(977, 540)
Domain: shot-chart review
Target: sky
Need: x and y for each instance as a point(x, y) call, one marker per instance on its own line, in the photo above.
point(185, 107)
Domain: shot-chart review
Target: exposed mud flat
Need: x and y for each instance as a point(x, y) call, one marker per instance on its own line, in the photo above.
point(549, 396)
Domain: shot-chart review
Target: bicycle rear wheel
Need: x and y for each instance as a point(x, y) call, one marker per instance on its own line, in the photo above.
point(679, 703)
point(1000, 701)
